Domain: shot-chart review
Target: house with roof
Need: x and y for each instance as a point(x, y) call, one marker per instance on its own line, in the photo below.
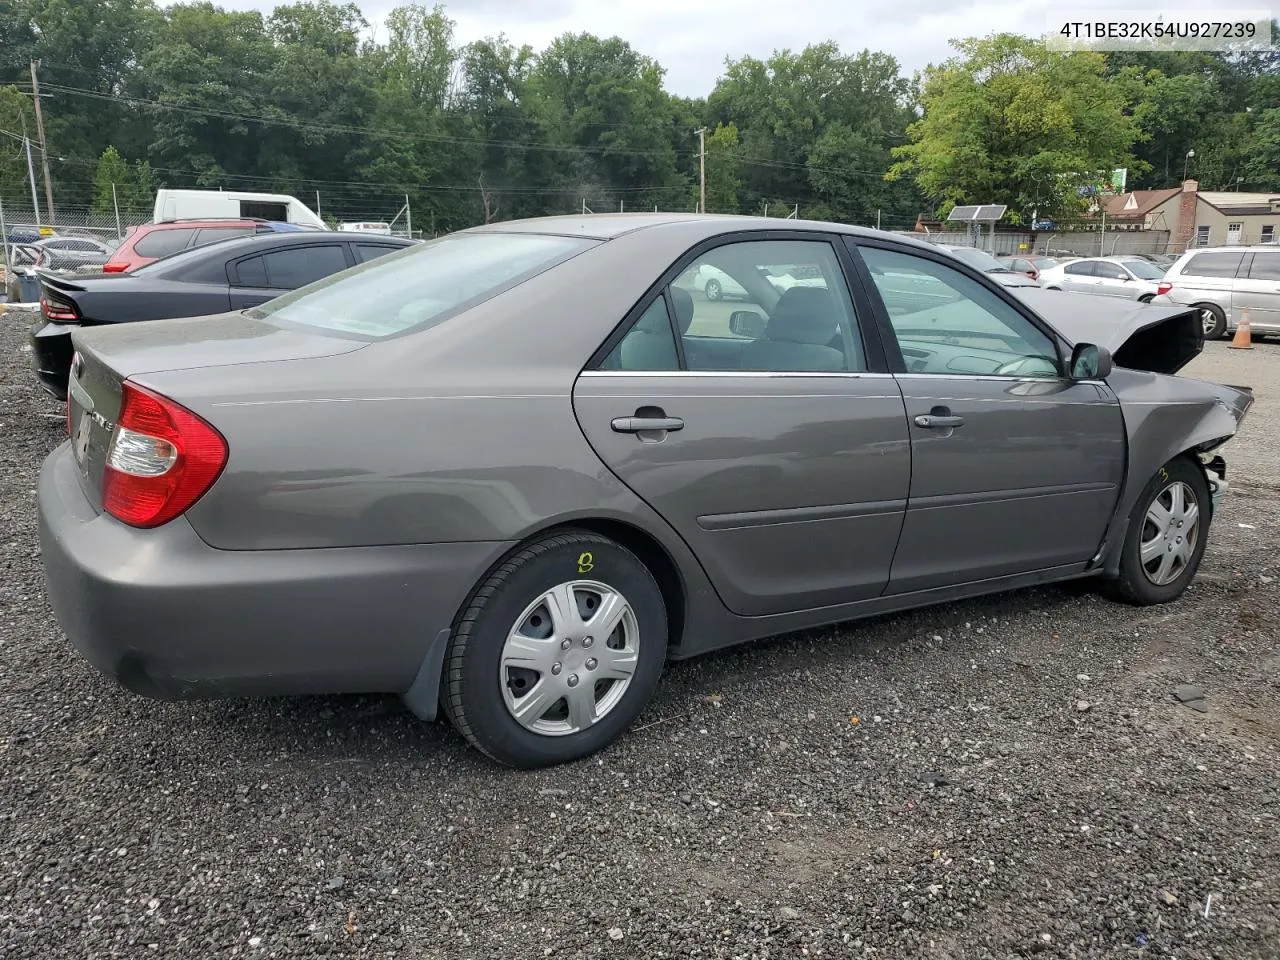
point(1194, 218)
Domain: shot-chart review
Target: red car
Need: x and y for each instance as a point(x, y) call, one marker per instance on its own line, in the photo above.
point(149, 242)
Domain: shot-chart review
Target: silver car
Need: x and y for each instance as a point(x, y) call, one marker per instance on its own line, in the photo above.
point(1128, 278)
point(1222, 282)
point(510, 472)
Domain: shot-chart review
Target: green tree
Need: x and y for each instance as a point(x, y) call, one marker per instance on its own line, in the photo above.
point(816, 128)
point(15, 115)
point(111, 178)
point(1009, 121)
point(723, 180)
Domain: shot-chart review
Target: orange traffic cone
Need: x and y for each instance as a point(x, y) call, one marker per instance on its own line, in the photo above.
point(1243, 340)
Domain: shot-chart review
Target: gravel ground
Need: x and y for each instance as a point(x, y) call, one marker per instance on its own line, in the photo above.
point(998, 778)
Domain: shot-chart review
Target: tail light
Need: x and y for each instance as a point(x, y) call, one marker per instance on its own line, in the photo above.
point(1163, 287)
point(58, 310)
point(114, 267)
point(162, 459)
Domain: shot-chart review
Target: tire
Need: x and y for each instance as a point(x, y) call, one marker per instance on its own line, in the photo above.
point(482, 688)
point(1146, 298)
point(713, 290)
point(1137, 584)
point(1214, 320)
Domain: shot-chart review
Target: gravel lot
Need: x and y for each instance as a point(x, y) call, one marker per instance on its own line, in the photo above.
point(989, 779)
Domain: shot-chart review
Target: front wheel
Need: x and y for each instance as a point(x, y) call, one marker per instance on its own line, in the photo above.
point(557, 652)
point(712, 290)
point(1167, 535)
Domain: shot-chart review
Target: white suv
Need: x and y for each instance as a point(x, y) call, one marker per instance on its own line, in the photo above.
point(1221, 281)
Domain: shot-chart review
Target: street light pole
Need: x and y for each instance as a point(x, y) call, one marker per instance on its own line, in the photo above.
point(1185, 162)
point(702, 169)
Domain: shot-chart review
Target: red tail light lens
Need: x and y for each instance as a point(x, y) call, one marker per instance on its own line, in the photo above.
point(110, 267)
point(161, 460)
point(61, 312)
point(1162, 288)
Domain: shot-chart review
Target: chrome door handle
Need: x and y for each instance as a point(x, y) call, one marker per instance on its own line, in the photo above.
point(934, 422)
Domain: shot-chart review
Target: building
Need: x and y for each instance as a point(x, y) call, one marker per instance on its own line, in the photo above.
point(1195, 219)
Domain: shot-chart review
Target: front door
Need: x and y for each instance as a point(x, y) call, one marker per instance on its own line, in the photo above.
point(1015, 468)
point(776, 444)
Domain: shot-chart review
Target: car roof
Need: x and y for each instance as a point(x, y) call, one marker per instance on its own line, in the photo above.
point(606, 226)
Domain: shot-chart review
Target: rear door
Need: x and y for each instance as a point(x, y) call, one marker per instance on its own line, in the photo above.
point(1210, 277)
point(1080, 277)
point(1014, 467)
point(262, 277)
point(780, 453)
point(1257, 289)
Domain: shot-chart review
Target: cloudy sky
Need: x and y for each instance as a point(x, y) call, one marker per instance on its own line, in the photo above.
point(692, 38)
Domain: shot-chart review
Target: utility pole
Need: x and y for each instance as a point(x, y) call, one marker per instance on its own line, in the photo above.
point(31, 175)
point(702, 169)
point(115, 202)
point(408, 216)
point(44, 144)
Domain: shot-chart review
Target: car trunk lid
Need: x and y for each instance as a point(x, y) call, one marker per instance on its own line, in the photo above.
point(107, 356)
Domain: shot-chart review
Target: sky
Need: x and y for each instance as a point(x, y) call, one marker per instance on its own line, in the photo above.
point(692, 38)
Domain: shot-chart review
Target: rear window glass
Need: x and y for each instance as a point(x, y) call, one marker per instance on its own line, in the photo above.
point(213, 234)
point(420, 285)
point(161, 243)
point(1213, 265)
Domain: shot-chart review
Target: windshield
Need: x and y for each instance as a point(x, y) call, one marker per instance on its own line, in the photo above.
point(1144, 270)
point(421, 285)
point(980, 259)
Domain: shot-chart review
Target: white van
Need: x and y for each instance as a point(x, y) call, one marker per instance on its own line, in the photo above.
point(366, 227)
point(233, 205)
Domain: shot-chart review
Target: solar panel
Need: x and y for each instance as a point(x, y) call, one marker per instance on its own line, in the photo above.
point(991, 212)
point(962, 213)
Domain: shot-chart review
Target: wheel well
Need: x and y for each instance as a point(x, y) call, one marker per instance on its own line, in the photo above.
point(1146, 297)
point(653, 555)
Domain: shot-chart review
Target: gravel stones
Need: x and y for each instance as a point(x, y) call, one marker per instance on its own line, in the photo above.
point(123, 825)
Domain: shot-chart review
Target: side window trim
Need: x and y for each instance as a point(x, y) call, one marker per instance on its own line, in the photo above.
point(897, 364)
point(876, 361)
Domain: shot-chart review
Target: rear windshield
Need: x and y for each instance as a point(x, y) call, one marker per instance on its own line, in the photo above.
point(421, 285)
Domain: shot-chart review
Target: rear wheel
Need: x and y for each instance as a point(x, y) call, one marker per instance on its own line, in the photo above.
point(1146, 298)
point(1213, 319)
point(712, 290)
point(557, 652)
point(1167, 533)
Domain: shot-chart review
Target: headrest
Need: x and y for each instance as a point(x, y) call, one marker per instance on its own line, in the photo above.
point(684, 308)
point(654, 320)
point(803, 315)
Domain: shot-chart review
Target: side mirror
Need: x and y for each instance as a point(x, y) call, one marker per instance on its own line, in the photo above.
point(747, 323)
point(1090, 362)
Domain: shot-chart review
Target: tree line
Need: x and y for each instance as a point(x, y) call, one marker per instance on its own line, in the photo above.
point(305, 100)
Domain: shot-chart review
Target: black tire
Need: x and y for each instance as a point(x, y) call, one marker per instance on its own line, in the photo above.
point(713, 290)
point(472, 692)
point(1219, 328)
point(1134, 585)
point(1146, 298)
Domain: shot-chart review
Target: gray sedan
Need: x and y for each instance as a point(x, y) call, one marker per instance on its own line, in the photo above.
point(511, 472)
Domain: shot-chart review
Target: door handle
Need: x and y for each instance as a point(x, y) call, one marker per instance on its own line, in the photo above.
point(932, 421)
point(645, 424)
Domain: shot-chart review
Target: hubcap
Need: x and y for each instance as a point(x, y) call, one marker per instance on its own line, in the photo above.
point(569, 658)
point(1170, 532)
point(1208, 319)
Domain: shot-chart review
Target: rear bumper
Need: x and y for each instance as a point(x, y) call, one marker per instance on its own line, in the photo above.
point(51, 353)
point(170, 617)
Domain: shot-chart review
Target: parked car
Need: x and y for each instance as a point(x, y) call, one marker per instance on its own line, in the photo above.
point(150, 242)
point(1030, 266)
point(68, 253)
point(1128, 278)
point(1161, 260)
point(1221, 281)
point(981, 260)
point(717, 285)
point(228, 275)
point(495, 472)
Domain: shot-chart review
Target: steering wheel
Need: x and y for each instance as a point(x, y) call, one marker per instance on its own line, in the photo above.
point(1014, 367)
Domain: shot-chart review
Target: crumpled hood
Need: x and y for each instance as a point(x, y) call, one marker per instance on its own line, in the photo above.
point(1140, 336)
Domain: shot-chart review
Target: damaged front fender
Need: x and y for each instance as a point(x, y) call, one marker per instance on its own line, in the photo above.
point(1165, 416)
